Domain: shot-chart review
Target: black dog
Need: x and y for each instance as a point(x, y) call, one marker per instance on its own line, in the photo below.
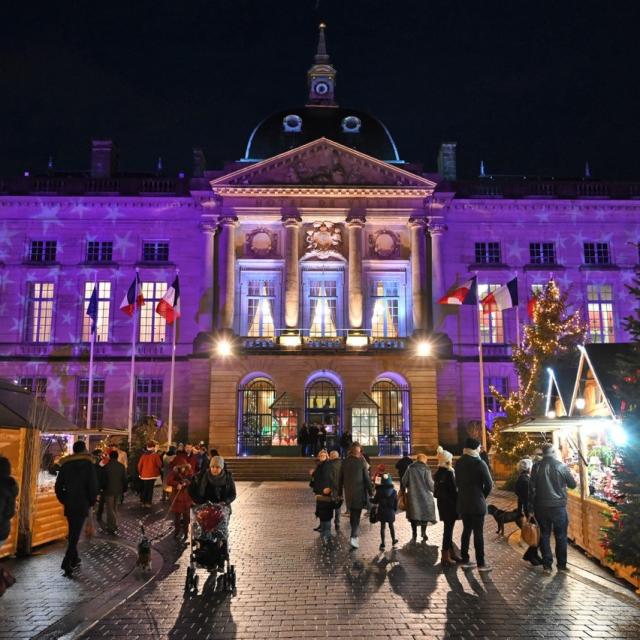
point(502, 517)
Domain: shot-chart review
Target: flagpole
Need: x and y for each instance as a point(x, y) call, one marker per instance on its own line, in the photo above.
point(483, 418)
point(172, 374)
point(133, 362)
point(517, 314)
point(93, 330)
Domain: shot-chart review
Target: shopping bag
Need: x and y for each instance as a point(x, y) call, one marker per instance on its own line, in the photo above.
point(373, 514)
point(530, 532)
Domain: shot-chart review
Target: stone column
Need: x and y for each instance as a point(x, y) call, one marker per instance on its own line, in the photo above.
point(417, 228)
point(436, 228)
point(227, 271)
point(205, 308)
point(355, 225)
point(291, 272)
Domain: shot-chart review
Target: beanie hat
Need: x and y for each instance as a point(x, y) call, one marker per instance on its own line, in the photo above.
point(525, 465)
point(387, 479)
point(444, 457)
point(217, 461)
point(471, 443)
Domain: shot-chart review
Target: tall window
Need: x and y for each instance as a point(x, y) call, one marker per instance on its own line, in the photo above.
point(491, 407)
point(392, 401)
point(257, 423)
point(488, 253)
point(153, 327)
point(386, 303)
point(43, 251)
point(597, 253)
point(40, 319)
point(491, 324)
point(364, 425)
point(600, 312)
point(323, 298)
point(37, 386)
point(260, 308)
point(155, 251)
point(97, 402)
point(542, 253)
point(99, 251)
point(148, 397)
point(104, 309)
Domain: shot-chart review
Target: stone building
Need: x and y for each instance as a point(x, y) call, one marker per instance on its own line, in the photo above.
point(309, 271)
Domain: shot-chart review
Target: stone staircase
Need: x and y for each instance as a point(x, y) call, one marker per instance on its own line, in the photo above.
point(262, 468)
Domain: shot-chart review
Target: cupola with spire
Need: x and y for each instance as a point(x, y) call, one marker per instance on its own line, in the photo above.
point(321, 76)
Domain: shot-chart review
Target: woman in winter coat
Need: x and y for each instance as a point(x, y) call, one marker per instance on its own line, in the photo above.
point(417, 484)
point(8, 495)
point(325, 489)
point(179, 479)
point(522, 491)
point(386, 497)
point(446, 494)
point(214, 484)
point(167, 460)
point(149, 470)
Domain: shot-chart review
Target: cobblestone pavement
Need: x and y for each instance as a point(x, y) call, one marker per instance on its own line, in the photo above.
point(290, 586)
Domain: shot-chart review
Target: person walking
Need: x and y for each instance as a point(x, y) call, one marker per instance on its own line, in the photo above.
point(77, 489)
point(403, 464)
point(417, 484)
point(446, 495)
point(214, 484)
point(8, 495)
point(522, 491)
point(324, 489)
point(123, 459)
point(548, 496)
point(386, 497)
point(303, 439)
point(357, 486)
point(113, 478)
point(474, 484)
point(167, 460)
point(179, 480)
point(336, 466)
point(149, 470)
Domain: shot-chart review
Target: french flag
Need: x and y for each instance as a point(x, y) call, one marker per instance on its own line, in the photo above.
point(169, 305)
point(504, 297)
point(133, 297)
point(466, 293)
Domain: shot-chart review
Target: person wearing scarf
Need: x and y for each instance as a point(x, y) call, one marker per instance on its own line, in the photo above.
point(214, 484)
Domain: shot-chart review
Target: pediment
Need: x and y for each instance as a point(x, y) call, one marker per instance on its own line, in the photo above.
point(323, 162)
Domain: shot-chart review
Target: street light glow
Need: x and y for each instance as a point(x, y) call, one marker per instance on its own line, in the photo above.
point(224, 348)
point(423, 348)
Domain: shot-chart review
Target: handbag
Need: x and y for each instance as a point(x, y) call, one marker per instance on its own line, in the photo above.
point(373, 514)
point(402, 501)
point(530, 532)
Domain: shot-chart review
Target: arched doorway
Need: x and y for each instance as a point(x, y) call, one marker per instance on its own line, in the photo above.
point(255, 431)
point(323, 407)
point(392, 399)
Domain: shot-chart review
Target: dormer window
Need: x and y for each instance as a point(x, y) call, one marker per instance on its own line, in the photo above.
point(351, 124)
point(292, 124)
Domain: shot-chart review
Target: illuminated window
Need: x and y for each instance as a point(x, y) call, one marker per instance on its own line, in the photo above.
point(487, 253)
point(257, 425)
point(260, 306)
point(393, 402)
point(597, 253)
point(491, 325)
point(99, 251)
point(386, 302)
point(364, 425)
point(97, 402)
point(40, 318)
point(148, 397)
point(323, 298)
point(155, 251)
point(542, 253)
point(153, 327)
point(104, 309)
point(43, 251)
point(491, 406)
point(37, 386)
point(600, 312)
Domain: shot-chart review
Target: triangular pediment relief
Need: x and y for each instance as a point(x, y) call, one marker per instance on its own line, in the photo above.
point(323, 162)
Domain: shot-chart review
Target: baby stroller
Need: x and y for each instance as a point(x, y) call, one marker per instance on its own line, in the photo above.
point(209, 545)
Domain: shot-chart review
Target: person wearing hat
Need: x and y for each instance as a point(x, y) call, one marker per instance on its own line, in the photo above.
point(446, 494)
point(149, 470)
point(214, 484)
point(474, 484)
point(386, 497)
point(179, 479)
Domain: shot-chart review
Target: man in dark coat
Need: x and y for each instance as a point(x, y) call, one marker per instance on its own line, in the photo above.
point(113, 481)
point(303, 440)
point(77, 489)
point(403, 464)
point(548, 496)
point(357, 486)
point(336, 466)
point(474, 484)
point(313, 439)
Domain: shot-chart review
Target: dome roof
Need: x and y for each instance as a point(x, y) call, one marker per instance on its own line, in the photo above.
point(290, 128)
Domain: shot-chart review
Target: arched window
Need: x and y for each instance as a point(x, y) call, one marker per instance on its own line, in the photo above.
point(393, 402)
point(323, 408)
point(256, 422)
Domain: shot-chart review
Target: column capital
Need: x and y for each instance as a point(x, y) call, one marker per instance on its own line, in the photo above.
point(228, 220)
point(436, 226)
point(356, 221)
point(209, 227)
point(417, 222)
point(291, 220)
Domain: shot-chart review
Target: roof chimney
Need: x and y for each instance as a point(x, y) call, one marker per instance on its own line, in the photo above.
point(447, 160)
point(103, 159)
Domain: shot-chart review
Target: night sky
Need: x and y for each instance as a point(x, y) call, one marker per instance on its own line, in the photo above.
point(528, 87)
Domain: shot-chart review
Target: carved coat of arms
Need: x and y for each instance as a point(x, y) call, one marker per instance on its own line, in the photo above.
point(323, 240)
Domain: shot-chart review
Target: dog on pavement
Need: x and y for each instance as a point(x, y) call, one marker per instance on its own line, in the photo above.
point(502, 517)
point(144, 553)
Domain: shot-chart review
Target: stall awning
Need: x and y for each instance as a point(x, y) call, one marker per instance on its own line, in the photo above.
point(548, 425)
point(364, 401)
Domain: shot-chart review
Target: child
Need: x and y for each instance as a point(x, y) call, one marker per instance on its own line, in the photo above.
point(179, 480)
point(386, 498)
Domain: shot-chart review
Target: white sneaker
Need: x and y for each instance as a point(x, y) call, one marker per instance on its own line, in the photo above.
point(484, 568)
point(354, 543)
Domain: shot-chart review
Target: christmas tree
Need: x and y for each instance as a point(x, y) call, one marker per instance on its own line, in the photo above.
point(553, 333)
